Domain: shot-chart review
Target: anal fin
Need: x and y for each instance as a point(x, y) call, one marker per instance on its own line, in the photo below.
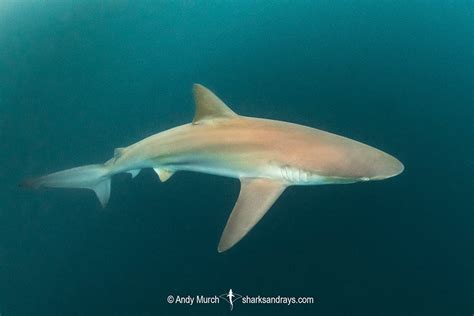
point(134, 172)
point(255, 199)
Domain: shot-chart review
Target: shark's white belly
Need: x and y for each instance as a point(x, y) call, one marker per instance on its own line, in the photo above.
point(286, 174)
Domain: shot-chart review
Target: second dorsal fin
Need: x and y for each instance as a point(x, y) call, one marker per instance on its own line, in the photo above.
point(209, 106)
point(118, 152)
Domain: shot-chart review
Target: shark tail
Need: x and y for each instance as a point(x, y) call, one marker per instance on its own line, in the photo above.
point(94, 177)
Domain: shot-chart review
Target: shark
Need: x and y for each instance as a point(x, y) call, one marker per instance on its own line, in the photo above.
point(267, 156)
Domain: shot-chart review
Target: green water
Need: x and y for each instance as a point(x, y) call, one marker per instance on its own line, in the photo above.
point(80, 78)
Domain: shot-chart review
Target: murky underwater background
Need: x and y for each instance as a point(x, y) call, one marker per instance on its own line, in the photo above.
point(80, 78)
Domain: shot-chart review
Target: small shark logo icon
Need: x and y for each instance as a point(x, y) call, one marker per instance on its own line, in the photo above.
point(230, 297)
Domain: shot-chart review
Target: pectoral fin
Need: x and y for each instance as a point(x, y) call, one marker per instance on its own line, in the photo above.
point(255, 198)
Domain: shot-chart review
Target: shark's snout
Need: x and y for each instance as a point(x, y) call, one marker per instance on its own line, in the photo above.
point(387, 167)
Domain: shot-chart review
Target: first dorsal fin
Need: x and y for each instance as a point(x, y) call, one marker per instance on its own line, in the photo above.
point(209, 106)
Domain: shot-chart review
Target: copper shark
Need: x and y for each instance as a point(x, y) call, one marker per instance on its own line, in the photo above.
point(266, 156)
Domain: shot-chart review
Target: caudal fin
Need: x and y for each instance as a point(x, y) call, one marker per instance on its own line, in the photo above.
point(94, 177)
